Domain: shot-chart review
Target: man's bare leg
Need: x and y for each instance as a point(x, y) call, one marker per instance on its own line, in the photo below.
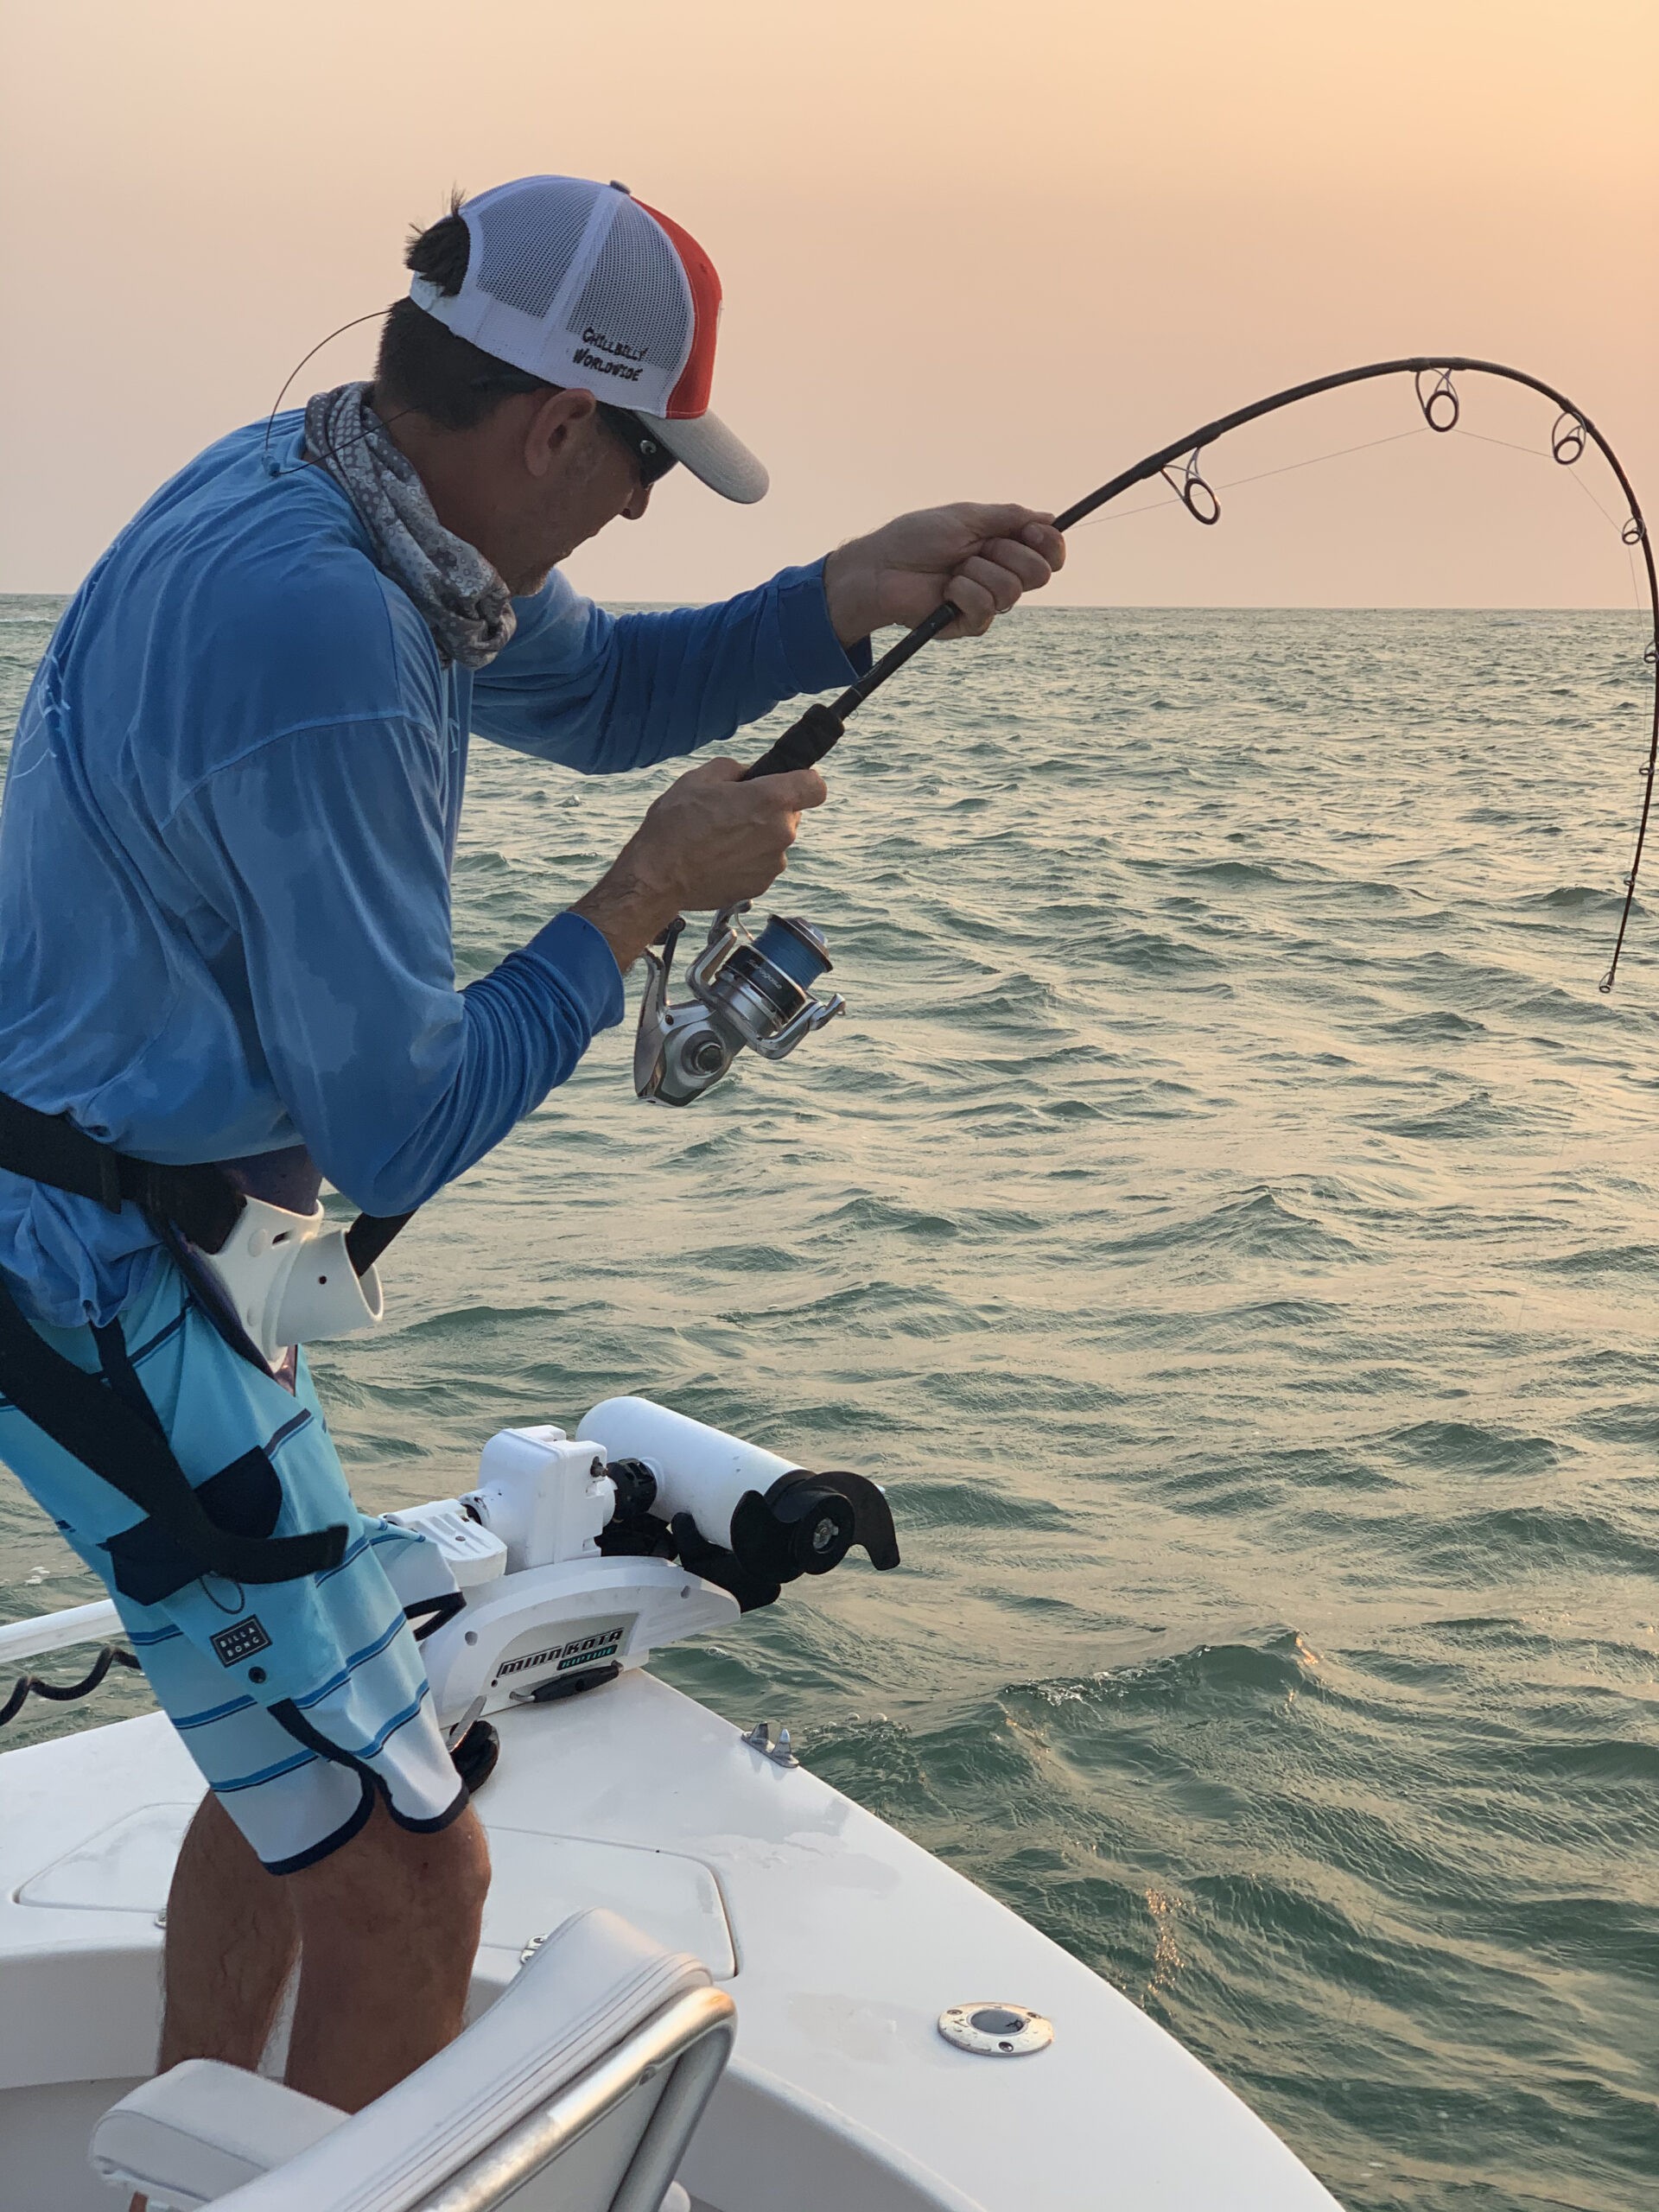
point(388, 1929)
point(232, 1937)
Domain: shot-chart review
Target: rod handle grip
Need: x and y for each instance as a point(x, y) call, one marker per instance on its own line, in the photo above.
point(803, 745)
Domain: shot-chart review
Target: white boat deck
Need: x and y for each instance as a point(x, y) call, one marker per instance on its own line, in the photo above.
point(840, 1941)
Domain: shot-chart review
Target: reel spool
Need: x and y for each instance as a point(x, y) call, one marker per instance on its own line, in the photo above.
point(745, 990)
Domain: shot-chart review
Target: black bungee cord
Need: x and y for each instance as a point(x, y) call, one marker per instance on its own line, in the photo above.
point(807, 741)
point(28, 1685)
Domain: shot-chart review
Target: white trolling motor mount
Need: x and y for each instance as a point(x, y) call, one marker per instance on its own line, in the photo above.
point(745, 990)
point(573, 1556)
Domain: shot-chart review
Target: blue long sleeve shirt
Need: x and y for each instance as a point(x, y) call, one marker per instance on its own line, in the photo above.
point(226, 840)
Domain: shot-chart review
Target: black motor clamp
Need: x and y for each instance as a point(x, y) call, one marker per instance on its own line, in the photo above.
point(807, 1523)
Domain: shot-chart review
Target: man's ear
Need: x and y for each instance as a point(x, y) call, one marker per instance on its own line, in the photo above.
point(556, 416)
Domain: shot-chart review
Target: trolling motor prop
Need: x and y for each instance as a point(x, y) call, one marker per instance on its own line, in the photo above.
point(745, 990)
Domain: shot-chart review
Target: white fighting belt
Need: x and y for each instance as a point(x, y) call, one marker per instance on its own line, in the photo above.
point(290, 1279)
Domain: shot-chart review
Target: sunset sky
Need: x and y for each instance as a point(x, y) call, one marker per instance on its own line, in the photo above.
point(968, 249)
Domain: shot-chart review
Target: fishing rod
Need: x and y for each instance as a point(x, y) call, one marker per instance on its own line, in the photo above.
point(758, 990)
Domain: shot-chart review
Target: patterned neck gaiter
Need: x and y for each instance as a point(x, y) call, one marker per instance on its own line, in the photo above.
point(464, 604)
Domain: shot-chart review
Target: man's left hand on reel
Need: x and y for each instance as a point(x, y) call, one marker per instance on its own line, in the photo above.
point(226, 975)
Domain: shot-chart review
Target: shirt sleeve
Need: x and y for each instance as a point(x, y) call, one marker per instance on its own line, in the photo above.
point(325, 852)
point(601, 693)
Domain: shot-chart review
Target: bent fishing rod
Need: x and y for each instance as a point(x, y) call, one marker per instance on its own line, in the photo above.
point(756, 991)
point(821, 726)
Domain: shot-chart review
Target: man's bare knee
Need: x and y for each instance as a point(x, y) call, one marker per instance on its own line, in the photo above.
point(389, 1927)
point(390, 1877)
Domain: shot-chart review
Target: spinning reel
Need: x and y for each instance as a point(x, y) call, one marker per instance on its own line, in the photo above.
point(745, 990)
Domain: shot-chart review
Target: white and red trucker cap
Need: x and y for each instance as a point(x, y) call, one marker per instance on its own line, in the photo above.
point(581, 283)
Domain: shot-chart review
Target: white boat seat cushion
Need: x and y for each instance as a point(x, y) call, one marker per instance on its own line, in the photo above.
point(201, 2130)
point(593, 1981)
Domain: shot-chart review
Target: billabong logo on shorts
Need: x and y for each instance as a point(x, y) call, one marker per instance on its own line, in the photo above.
point(233, 1645)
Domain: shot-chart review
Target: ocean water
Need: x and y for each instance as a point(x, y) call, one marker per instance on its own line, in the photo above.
point(1228, 1218)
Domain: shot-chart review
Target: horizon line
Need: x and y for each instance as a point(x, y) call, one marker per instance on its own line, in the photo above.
point(1149, 606)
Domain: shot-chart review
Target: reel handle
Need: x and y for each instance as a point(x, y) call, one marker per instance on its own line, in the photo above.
point(803, 745)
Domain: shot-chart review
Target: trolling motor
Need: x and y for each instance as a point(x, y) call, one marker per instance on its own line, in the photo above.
point(745, 990)
point(573, 1557)
point(738, 1515)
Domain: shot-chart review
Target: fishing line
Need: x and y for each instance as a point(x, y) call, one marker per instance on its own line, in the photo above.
point(1158, 506)
point(1511, 445)
point(1534, 453)
point(1572, 434)
point(380, 421)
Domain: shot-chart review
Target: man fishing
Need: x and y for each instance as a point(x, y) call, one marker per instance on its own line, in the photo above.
point(226, 976)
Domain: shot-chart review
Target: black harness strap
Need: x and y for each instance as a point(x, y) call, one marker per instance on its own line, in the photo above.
point(369, 1235)
point(48, 1148)
point(202, 1202)
point(121, 1376)
point(109, 1425)
point(93, 1425)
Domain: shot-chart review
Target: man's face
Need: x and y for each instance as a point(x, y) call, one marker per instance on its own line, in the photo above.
point(589, 479)
point(538, 477)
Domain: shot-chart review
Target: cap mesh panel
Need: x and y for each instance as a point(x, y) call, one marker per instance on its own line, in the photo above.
point(636, 295)
point(529, 240)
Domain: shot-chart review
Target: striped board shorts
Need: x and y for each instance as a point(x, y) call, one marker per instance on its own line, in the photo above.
point(301, 1702)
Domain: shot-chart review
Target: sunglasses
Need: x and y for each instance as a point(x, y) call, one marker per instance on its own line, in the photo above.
point(651, 456)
